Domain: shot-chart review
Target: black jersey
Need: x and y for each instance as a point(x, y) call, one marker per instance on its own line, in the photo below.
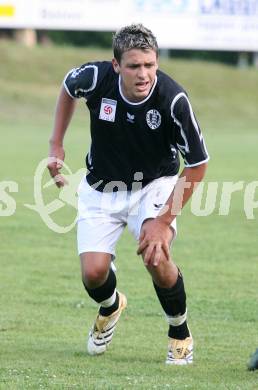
point(135, 140)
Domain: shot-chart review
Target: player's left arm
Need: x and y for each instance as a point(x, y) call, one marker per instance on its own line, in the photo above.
point(189, 141)
point(155, 236)
point(188, 181)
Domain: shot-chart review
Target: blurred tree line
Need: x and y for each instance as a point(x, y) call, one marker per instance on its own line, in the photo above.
point(102, 39)
point(79, 38)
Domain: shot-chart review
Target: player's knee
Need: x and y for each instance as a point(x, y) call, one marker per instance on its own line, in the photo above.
point(94, 276)
point(165, 274)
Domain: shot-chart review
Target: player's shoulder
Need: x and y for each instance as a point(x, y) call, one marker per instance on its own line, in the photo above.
point(85, 79)
point(103, 66)
point(168, 86)
point(96, 68)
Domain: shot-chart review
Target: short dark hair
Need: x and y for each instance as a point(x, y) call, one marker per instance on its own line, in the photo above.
point(135, 36)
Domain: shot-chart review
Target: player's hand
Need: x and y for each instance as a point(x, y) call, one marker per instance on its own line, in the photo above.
point(55, 163)
point(154, 241)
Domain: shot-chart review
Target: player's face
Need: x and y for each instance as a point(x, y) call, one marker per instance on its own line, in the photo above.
point(137, 69)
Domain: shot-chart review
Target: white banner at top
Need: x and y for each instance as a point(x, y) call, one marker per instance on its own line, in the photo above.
point(184, 24)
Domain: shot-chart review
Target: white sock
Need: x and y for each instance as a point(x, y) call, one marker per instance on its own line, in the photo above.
point(109, 301)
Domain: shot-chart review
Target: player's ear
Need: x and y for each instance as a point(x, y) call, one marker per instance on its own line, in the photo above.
point(115, 65)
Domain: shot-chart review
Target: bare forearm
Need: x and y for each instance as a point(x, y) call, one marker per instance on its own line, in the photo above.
point(191, 177)
point(184, 188)
point(64, 112)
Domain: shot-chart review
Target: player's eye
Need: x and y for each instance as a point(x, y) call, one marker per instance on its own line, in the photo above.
point(133, 66)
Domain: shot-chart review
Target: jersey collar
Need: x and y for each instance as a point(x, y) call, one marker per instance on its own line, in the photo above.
point(142, 101)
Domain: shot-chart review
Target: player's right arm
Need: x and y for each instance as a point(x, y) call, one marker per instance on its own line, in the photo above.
point(78, 83)
point(63, 114)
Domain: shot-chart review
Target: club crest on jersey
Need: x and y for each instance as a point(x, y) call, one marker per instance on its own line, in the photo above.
point(108, 110)
point(153, 119)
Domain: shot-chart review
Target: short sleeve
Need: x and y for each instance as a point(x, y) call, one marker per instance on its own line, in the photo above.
point(189, 138)
point(79, 82)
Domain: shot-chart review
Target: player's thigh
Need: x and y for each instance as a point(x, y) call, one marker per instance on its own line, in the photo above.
point(147, 204)
point(98, 230)
point(99, 235)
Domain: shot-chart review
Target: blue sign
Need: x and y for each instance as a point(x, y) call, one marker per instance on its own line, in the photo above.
point(160, 6)
point(229, 7)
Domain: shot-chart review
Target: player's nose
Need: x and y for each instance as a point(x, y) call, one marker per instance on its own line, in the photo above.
point(142, 72)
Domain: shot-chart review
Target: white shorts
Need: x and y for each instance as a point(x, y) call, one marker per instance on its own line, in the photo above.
point(102, 216)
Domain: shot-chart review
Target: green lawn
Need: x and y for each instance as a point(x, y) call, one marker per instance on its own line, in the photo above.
point(46, 314)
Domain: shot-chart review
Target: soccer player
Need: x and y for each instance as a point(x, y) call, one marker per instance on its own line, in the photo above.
point(140, 120)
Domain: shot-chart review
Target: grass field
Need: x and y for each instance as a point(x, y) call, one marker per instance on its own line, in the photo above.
point(45, 313)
